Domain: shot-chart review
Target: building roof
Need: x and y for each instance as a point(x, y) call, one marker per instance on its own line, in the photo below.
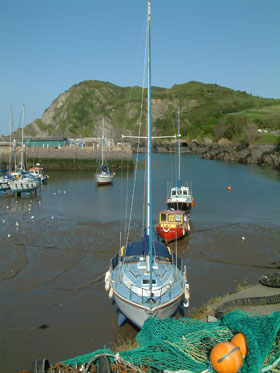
point(45, 138)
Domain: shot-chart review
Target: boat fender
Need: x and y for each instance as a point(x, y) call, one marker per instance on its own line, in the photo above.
point(108, 276)
point(107, 285)
point(167, 229)
point(184, 232)
point(189, 227)
point(187, 295)
point(111, 293)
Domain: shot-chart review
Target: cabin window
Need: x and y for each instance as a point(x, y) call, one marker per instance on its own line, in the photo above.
point(163, 217)
point(170, 218)
point(185, 192)
point(178, 218)
point(146, 281)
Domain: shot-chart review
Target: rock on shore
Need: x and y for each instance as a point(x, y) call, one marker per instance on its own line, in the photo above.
point(253, 154)
point(262, 155)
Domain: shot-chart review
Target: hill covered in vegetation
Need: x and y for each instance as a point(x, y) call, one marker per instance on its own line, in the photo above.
point(206, 110)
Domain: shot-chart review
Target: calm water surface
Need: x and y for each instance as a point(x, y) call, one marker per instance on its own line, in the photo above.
point(53, 303)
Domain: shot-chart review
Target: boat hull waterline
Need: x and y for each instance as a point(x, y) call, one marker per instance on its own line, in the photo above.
point(172, 234)
point(138, 315)
point(104, 178)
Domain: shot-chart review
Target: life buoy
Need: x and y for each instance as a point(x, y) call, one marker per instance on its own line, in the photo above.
point(167, 229)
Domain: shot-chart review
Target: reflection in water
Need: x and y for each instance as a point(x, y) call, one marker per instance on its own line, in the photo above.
point(60, 243)
point(271, 174)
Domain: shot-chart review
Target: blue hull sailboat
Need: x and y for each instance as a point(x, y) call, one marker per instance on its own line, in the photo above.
point(146, 278)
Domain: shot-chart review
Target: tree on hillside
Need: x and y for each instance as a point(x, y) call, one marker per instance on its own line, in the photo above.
point(229, 127)
point(250, 133)
point(273, 121)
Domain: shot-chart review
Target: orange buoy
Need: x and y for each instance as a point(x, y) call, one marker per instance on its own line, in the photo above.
point(239, 340)
point(229, 188)
point(225, 357)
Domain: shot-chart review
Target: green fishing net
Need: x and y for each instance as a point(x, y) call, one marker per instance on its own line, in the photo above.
point(185, 344)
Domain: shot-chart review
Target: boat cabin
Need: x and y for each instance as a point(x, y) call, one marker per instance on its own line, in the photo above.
point(180, 193)
point(172, 217)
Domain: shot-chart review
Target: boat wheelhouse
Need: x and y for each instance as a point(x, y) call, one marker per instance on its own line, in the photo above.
point(173, 225)
point(180, 198)
point(39, 175)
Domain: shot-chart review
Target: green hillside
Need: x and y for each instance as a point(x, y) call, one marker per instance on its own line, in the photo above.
point(207, 110)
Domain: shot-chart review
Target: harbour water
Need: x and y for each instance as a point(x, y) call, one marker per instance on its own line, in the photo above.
point(56, 246)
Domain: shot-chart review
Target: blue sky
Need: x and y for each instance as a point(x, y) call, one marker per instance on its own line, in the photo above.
point(48, 46)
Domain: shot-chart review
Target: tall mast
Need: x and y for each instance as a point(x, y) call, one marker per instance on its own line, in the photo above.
point(102, 140)
point(11, 130)
point(149, 158)
point(22, 124)
point(178, 153)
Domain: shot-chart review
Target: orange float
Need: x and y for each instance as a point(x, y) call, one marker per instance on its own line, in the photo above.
point(225, 357)
point(239, 340)
point(229, 188)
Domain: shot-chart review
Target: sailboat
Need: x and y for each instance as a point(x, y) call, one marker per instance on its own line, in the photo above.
point(104, 175)
point(180, 197)
point(5, 177)
point(23, 181)
point(174, 223)
point(146, 278)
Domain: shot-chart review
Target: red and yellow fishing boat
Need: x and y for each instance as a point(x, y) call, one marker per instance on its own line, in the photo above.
point(173, 224)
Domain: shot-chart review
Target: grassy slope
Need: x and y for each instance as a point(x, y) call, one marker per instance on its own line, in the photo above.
point(203, 107)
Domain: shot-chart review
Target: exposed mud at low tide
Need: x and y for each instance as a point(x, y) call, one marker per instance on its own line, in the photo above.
point(52, 274)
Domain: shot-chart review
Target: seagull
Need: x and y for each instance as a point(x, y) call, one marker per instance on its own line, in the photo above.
point(64, 192)
point(7, 207)
point(17, 223)
point(52, 217)
point(32, 217)
point(243, 238)
point(54, 194)
point(9, 235)
point(3, 221)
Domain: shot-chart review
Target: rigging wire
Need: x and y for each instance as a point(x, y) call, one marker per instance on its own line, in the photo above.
point(125, 227)
point(138, 143)
point(173, 125)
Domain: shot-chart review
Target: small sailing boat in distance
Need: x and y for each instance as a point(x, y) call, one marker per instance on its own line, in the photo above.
point(146, 278)
point(104, 175)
